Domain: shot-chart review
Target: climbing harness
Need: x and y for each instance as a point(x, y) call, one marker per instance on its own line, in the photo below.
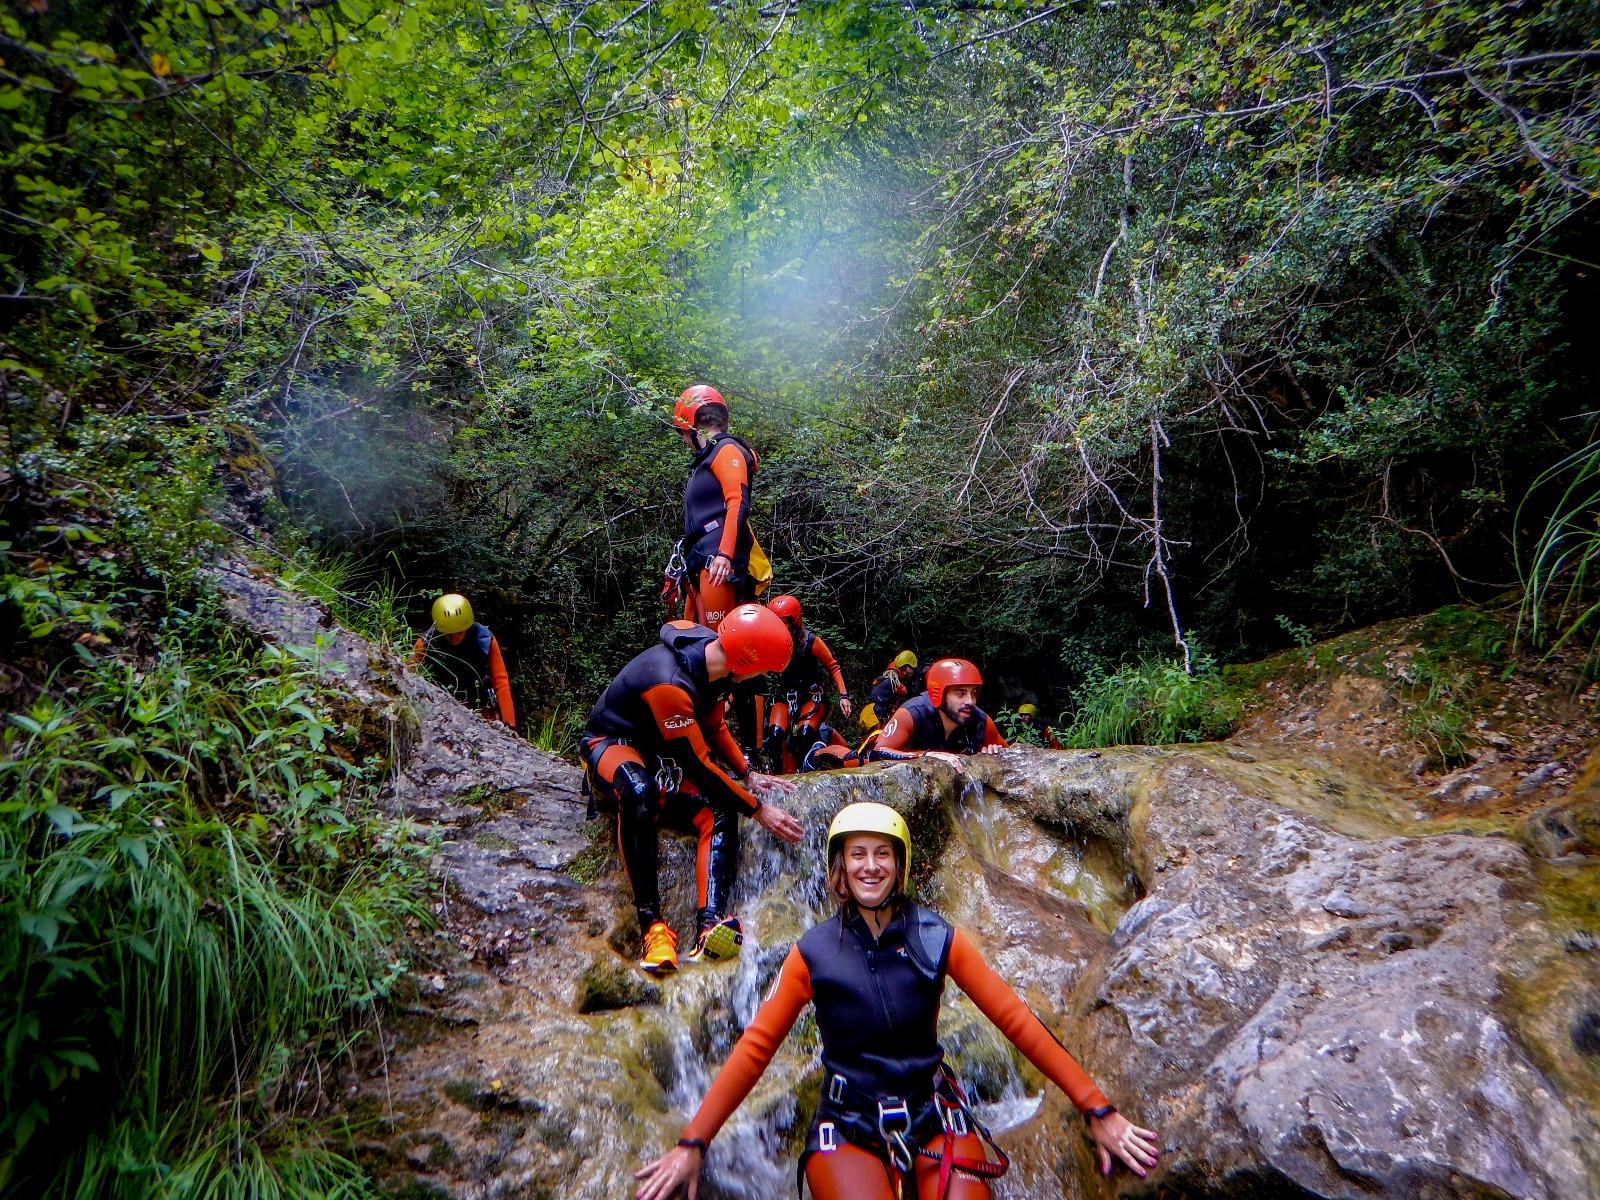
point(901, 1129)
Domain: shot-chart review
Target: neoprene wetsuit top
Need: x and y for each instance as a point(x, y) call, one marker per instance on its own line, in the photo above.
point(716, 503)
point(471, 670)
point(917, 728)
point(663, 703)
point(811, 664)
point(877, 1003)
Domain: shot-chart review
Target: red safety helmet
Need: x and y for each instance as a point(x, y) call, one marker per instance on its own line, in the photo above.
point(951, 672)
point(787, 607)
point(690, 401)
point(755, 639)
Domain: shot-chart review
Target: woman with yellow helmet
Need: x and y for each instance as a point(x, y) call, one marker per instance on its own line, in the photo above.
point(892, 1119)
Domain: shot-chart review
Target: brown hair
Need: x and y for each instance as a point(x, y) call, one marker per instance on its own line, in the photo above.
point(711, 415)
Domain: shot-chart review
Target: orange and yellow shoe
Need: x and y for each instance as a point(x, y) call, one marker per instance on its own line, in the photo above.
point(660, 949)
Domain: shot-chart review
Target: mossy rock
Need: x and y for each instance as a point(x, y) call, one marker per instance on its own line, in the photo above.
point(610, 984)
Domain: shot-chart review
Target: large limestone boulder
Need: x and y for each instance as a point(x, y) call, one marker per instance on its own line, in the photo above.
point(1305, 986)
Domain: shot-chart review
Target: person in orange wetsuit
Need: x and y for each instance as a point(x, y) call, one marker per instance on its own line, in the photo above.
point(661, 722)
point(797, 706)
point(944, 722)
point(717, 539)
point(1028, 718)
point(464, 657)
point(892, 1120)
point(716, 507)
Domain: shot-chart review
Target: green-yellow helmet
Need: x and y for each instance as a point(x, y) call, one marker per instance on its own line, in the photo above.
point(867, 817)
point(906, 658)
point(452, 614)
point(1027, 710)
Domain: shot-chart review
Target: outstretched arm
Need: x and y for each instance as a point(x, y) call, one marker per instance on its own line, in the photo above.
point(502, 684)
point(1112, 1132)
point(680, 1166)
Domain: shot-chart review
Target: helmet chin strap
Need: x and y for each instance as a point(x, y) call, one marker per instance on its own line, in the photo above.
point(887, 901)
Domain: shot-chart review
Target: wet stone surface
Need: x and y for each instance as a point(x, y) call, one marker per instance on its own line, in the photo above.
point(1308, 990)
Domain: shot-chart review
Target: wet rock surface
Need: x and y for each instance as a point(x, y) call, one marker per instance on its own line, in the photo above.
point(1306, 986)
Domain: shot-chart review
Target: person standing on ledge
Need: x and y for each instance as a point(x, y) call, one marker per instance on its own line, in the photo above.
point(892, 1120)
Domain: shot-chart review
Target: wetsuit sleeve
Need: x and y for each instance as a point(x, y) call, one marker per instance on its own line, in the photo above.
point(419, 652)
point(824, 656)
point(754, 1049)
point(684, 741)
point(992, 735)
point(1022, 1028)
point(502, 683)
point(1051, 740)
point(728, 466)
point(895, 743)
point(721, 739)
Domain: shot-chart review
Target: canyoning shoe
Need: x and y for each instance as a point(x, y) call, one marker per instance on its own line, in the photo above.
point(660, 949)
point(718, 942)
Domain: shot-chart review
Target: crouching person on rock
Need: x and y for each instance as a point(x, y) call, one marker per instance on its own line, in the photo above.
point(465, 659)
point(892, 1120)
point(662, 723)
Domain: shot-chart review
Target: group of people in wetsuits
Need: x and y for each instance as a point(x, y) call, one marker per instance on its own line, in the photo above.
point(892, 1122)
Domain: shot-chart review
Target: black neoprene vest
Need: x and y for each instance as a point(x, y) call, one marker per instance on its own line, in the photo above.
point(680, 660)
point(704, 509)
point(463, 669)
point(928, 729)
point(803, 670)
point(877, 1003)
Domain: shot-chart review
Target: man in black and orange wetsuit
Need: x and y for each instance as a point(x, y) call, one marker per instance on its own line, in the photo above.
point(464, 658)
point(945, 722)
point(662, 722)
point(798, 705)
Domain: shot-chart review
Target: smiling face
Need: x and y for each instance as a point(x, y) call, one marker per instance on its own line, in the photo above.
point(870, 869)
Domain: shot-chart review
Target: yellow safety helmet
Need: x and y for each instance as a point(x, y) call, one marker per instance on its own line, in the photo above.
point(452, 614)
point(1027, 710)
point(867, 817)
point(906, 658)
point(869, 717)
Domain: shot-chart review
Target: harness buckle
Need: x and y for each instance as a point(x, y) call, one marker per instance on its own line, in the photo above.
point(669, 776)
point(827, 1137)
point(953, 1118)
point(836, 1087)
point(901, 1153)
point(677, 565)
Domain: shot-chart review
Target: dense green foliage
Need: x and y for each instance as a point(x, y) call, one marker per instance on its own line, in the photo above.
point(1072, 337)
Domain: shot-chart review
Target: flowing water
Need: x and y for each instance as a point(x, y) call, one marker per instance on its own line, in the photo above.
point(706, 1006)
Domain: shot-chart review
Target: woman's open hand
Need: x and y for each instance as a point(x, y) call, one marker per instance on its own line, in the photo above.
point(677, 1168)
point(1114, 1134)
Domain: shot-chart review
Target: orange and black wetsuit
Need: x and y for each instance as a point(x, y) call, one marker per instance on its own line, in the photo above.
point(916, 728)
point(469, 666)
point(661, 722)
point(798, 701)
point(716, 521)
point(887, 1097)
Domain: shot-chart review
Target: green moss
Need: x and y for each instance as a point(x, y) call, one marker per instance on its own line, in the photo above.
point(610, 984)
point(595, 861)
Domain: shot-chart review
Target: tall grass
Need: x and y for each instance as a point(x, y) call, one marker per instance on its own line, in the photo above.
point(1153, 702)
point(1560, 598)
point(197, 902)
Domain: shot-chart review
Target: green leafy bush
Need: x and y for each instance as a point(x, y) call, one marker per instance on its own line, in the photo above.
point(1153, 702)
point(198, 899)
